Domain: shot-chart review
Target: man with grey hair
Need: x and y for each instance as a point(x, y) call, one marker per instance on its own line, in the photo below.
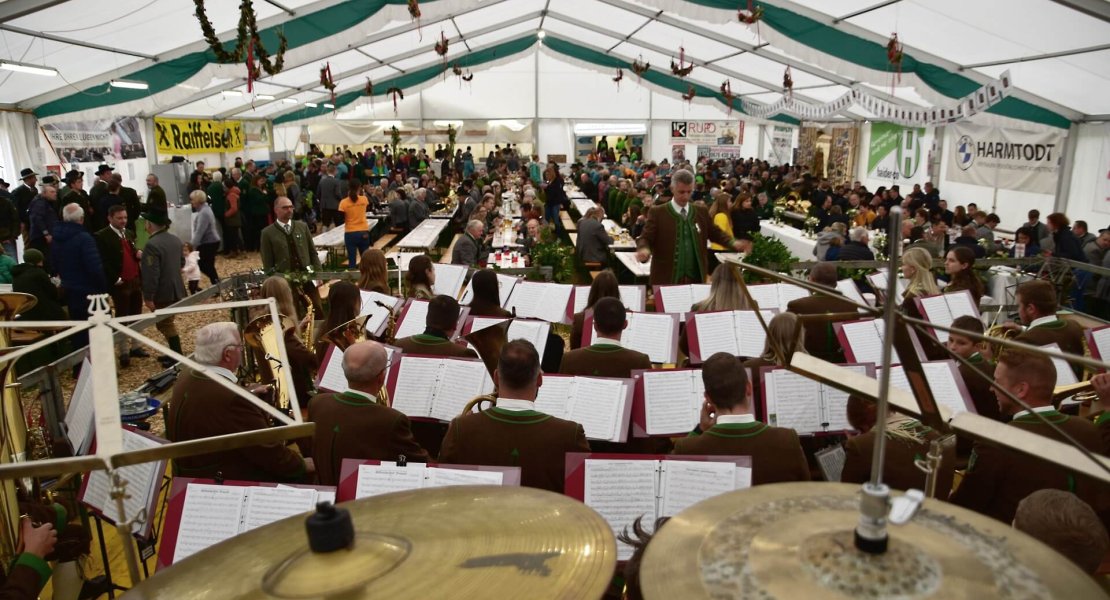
point(856, 247)
point(417, 208)
point(593, 241)
point(677, 235)
point(354, 424)
point(202, 408)
point(75, 256)
point(468, 248)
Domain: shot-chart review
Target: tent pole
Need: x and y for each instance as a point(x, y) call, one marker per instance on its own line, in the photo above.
point(536, 97)
point(1067, 166)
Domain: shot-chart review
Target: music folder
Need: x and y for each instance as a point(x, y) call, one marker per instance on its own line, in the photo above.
point(144, 481)
point(679, 299)
point(623, 487)
point(378, 307)
point(666, 402)
point(775, 296)
point(436, 388)
point(540, 300)
point(505, 285)
point(850, 290)
point(449, 279)
point(862, 341)
point(943, 309)
point(79, 419)
point(654, 334)
point(945, 383)
point(330, 377)
point(806, 405)
point(414, 316)
point(633, 297)
point(736, 332)
point(519, 329)
point(1098, 341)
point(601, 405)
point(201, 512)
point(370, 477)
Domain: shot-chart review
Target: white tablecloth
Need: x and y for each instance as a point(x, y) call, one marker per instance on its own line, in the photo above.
point(425, 235)
point(801, 246)
point(334, 237)
point(582, 205)
point(619, 242)
point(505, 238)
point(505, 260)
point(1002, 283)
point(633, 264)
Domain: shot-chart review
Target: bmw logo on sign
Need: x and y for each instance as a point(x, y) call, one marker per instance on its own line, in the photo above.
point(965, 152)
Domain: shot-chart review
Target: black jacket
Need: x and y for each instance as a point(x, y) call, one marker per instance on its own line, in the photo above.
point(744, 221)
point(30, 279)
point(855, 251)
point(1067, 245)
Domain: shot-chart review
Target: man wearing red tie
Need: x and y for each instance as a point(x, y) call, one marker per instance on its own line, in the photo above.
point(116, 244)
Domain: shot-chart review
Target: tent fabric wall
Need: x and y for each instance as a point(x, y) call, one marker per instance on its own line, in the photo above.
point(1090, 167)
point(16, 129)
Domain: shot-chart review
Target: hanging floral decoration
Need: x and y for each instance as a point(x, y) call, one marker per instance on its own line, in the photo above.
point(752, 15)
point(327, 81)
point(690, 94)
point(414, 12)
point(726, 93)
point(787, 84)
point(681, 69)
point(369, 91)
point(618, 78)
point(456, 70)
point(640, 67)
point(394, 138)
point(441, 47)
point(248, 43)
point(894, 56)
point(468, 77)
point(397, 94)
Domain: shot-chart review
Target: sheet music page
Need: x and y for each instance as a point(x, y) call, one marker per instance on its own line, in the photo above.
point(533, 331)
point(505, 285)
point(1101, 338)
point(789, 292)
point(596, 405)
point(831, 461)
point(750, 336)
point(942, 382)
point(765, 295)
point(835, 403)
point(650, 333)
point(936, 311)
point(717, 333)
point(331, 375)
point(526, 299)
point(862, 339)
point(670, 405)
point(417, 380)
point(439, 477)
point(554, 395)
point(327, 495)
point(961, 304)
point(1064, 374)
point(211, 515)
point(414, 321)
point(449, 279)
point(851, 291)
point(142, 480)
point(676, 298)
point(793, 401)
point(79, 415)
point(581, 297)
point(743, 478)
point(459, 382)
point(552, 305)
point(898, 378)
point(266, 505)
point(698, 293)
point(378, 314)
point(685, 483)
point(632, 296)
point(374, 480)
point(620, 491)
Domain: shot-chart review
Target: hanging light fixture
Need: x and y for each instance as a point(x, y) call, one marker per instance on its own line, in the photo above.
point(130, 84)
point(18, 67)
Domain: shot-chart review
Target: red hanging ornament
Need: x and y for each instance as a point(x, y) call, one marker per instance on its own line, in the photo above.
point(690, 94)
point(397, 94)
point(681, 69)
point(618, 78)
point(726, 93)
point(788, 84)
point(753, 15)
point(327, 81)
point(441, 48)
point(414, 12)
point(639, 67)
point(894, 56)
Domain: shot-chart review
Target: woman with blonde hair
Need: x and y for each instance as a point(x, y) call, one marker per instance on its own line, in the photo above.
point(302, 361)
point(724, 294)
point(373, 272)
point(719, 212)
point(917, 265)
point(785, 336)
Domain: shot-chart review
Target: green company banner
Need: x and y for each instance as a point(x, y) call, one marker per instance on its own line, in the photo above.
point(895, 153)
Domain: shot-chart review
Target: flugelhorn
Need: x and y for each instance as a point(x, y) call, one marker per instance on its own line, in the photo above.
point(487, 343)
point(261, 337)
point(14, 434)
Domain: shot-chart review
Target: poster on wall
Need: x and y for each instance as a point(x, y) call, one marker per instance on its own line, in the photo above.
point(583, 147)
point(782, 145)
point(707, 133)
point(896, 153)
point(721, 152)
point(1007, 159)
point(1102, 187)
point(195, 136)
point(96, 141)
point(257, 134)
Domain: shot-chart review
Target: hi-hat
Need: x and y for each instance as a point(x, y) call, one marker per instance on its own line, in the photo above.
point(456, 542)
point(794, 540)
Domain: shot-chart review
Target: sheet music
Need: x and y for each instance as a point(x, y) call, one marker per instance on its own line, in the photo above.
point(685, 483)
point(831, 461)
point(788, 293)
point(449, 279)
point(414, 321)
point(331, 374)
point(835, 403)
point(143, 480)
point(766, 295)
point(79, 414)
point(717, 333)
point(672, 403)
point(632, 296)
point(554, 396)
point(505, 285)
point(211, 515)
point(1064, 374)
point(750, 336)
point(378, 314)
point(698, 292)
point(267, 505)
point(793, 401)
point(898, 378)
point(417, 380)
point(532, 331)
point(1101, 338)
point(596, 405)
point(851, 291)
point(676, 299)
point(946, 308)
point(942, 382)
point(327, 495)
point(652, 334)
point(374, 480)
point(865, 338)
point(526, 299)
point(439, 477)
point(459, 382)
point(621, 491)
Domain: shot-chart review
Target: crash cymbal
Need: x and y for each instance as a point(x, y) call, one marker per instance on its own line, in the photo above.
point(794, 540)
point(455, 542)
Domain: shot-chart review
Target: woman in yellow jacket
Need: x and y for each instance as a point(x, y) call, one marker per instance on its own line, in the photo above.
point(719, 212)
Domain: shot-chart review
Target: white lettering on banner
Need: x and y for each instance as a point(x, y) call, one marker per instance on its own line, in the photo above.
point(707, 133)
point(724, 152)
point(1008, 159)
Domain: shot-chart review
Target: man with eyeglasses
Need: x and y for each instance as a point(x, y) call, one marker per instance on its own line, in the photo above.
point(353, 424)
point(202, 408)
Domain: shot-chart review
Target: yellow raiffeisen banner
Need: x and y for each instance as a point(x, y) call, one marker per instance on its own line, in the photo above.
point(192, 136)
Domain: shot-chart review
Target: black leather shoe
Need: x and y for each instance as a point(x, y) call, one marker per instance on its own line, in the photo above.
point(139, 353)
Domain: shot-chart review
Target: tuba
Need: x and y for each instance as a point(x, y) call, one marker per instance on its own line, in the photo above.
point(261, 337)
point(488, 343)
point(14, 438)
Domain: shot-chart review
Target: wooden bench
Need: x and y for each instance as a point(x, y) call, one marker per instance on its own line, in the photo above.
point(384, 241)
point(446, 258)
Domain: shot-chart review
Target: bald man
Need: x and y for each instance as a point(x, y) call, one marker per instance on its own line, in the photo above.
point(353, 424)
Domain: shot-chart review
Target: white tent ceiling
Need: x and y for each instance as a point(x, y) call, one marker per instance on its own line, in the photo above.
point(1058, 51)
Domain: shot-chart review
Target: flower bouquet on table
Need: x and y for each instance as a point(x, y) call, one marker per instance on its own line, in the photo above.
point(779, 211)
point(811, 226)
point(852, 213)
point(878, 243)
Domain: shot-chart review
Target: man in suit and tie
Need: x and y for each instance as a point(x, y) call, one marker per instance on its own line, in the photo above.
point(820, 341)
point(998, 478)
point(467, 250)
point(593, 240)
point(606, 357)
point(441, 323)
point(352, 424)
point(676, 235)
point(513, 433)
point(729, 427)
point(160, 271)
point(286, 247)
point(121, 261)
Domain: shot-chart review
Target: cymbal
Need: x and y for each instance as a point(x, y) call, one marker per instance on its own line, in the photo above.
point(454, 542)
point(794, 540)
